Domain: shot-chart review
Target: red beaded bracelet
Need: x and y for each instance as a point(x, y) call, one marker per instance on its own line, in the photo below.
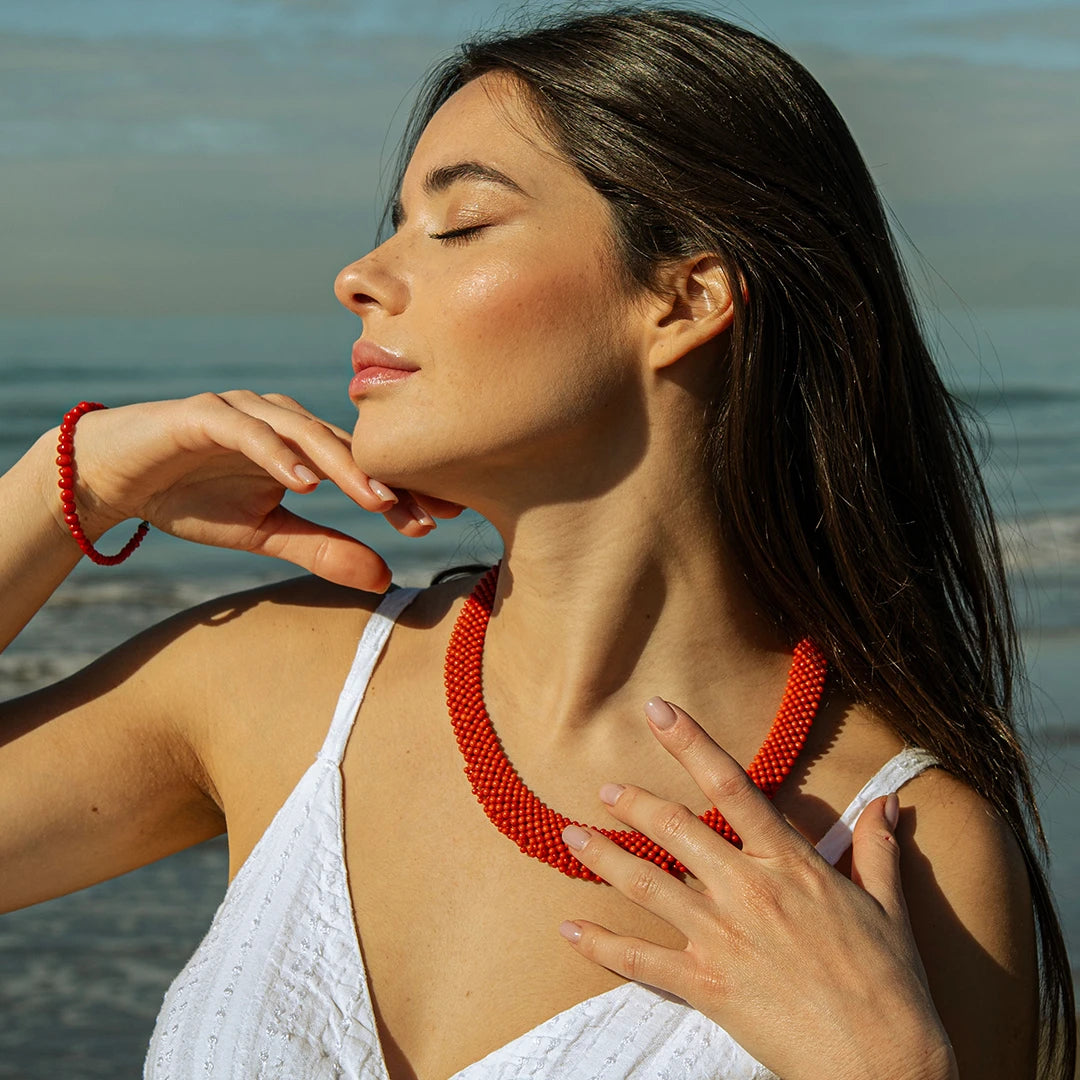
point(65, 459)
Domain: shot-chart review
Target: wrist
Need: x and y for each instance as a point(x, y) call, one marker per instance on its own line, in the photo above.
point(933, 1059)
point(902, 1046)
point(95, 516)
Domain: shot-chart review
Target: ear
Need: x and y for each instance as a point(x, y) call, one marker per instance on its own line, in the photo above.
point(696, 307)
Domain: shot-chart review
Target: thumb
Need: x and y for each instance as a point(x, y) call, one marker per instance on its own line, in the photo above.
point(875, 855)
point(323, 551)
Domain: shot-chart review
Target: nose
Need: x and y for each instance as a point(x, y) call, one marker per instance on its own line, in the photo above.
point(370, 283)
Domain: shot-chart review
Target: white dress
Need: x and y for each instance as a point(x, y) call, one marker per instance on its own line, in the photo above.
point(277, 988)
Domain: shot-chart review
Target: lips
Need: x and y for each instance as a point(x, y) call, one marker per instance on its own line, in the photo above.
point(365, 354)
point(375, 366)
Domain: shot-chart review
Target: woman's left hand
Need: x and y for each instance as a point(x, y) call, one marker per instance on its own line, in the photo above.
point(812, 973)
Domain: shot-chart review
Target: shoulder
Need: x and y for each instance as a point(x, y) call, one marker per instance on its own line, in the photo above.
point(214, 676)
point(279, 654)
point(966, 885)
point(260, 674)
point(288, 642)
point(281, 607)
point(965, 882)
point(312, 604)
point(287, 626)
point(954, 842)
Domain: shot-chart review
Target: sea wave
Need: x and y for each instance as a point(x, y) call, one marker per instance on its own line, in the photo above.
point(1042, 556)
point(104, 613)
point(143, 592)
point(1003, 397)
point(1041, 542)
point(21, 673)
point(163, 592)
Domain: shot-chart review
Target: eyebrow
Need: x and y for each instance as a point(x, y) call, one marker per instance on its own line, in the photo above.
point(443, 176)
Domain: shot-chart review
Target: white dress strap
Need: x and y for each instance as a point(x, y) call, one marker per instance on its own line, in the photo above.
point(368, 651)
point(890, 777)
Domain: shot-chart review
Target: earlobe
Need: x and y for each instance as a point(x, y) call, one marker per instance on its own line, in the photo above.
point(698, 308)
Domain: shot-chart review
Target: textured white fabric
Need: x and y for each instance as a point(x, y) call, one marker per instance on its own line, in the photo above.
point(277, 988)
point(890, 777)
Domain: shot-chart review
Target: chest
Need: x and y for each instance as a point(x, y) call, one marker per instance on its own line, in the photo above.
point(459, 929)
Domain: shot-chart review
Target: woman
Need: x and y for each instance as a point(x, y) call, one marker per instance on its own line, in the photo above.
point(641, 310)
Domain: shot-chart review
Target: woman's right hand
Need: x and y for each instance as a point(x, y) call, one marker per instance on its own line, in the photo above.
point(214, 468)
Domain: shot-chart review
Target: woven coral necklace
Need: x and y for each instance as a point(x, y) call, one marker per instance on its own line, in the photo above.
point(537, 829)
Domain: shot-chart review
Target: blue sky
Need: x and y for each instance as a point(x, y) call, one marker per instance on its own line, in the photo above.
point(226, 155)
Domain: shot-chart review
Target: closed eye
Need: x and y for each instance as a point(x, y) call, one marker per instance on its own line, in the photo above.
point(457, 236)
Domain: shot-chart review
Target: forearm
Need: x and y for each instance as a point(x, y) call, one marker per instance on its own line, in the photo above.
point(36, 550)
point(211, 469)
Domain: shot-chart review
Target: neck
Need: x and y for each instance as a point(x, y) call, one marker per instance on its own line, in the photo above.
point(605, 602)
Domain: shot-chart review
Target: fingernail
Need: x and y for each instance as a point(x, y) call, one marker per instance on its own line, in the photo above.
point(570, 931)
point(575, 837)
point(420, 514)
point(892, 810)
point(380, 490)
point(302, 472)
point(610, 793)
point(660, 713)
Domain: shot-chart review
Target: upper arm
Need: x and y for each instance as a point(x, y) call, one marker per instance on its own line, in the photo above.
point(967, 894)
point(99, 774)
point(116, 766)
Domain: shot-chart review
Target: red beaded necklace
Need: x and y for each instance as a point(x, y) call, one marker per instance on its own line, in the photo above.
point(537, 829)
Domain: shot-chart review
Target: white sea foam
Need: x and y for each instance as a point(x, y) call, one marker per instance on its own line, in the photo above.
point(20, 674)
point(1045, 542)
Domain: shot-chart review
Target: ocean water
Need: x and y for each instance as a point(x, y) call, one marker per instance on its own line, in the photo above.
point(81, 977)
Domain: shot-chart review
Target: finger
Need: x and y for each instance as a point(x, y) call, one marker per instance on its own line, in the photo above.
point(439, 508)
point(761, 827)
point(286, 402)
point(875, 855)
point(422, 508)
point(323, 551)
point(673, 826)
point(266, 406)
point(409, 518)
point(414, 515)
point(633, 958)
point(219, 427)
point(637, 879)
point(281, 401)
point(381, 491)
point(281, 438)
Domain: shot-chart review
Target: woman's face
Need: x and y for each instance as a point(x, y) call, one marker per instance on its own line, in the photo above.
point(499, 290)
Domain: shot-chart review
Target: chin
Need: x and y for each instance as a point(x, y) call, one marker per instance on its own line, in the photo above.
point(390, 460)
point(393, 466)
point(454, 465)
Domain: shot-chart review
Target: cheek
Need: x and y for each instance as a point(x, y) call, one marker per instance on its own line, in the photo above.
point(523, 355)
point(537, 322)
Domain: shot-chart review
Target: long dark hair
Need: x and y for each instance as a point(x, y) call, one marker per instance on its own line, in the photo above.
point(845, 483)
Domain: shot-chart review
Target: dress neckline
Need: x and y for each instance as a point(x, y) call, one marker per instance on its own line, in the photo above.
point(327, 766)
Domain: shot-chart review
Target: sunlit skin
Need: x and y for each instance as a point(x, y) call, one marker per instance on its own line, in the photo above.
point(532, 355)
point(560, 405)
point(513, 325)
point(569, 410)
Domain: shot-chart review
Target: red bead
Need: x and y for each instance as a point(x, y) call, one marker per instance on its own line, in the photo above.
point(65, 459)
point(536, 828)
